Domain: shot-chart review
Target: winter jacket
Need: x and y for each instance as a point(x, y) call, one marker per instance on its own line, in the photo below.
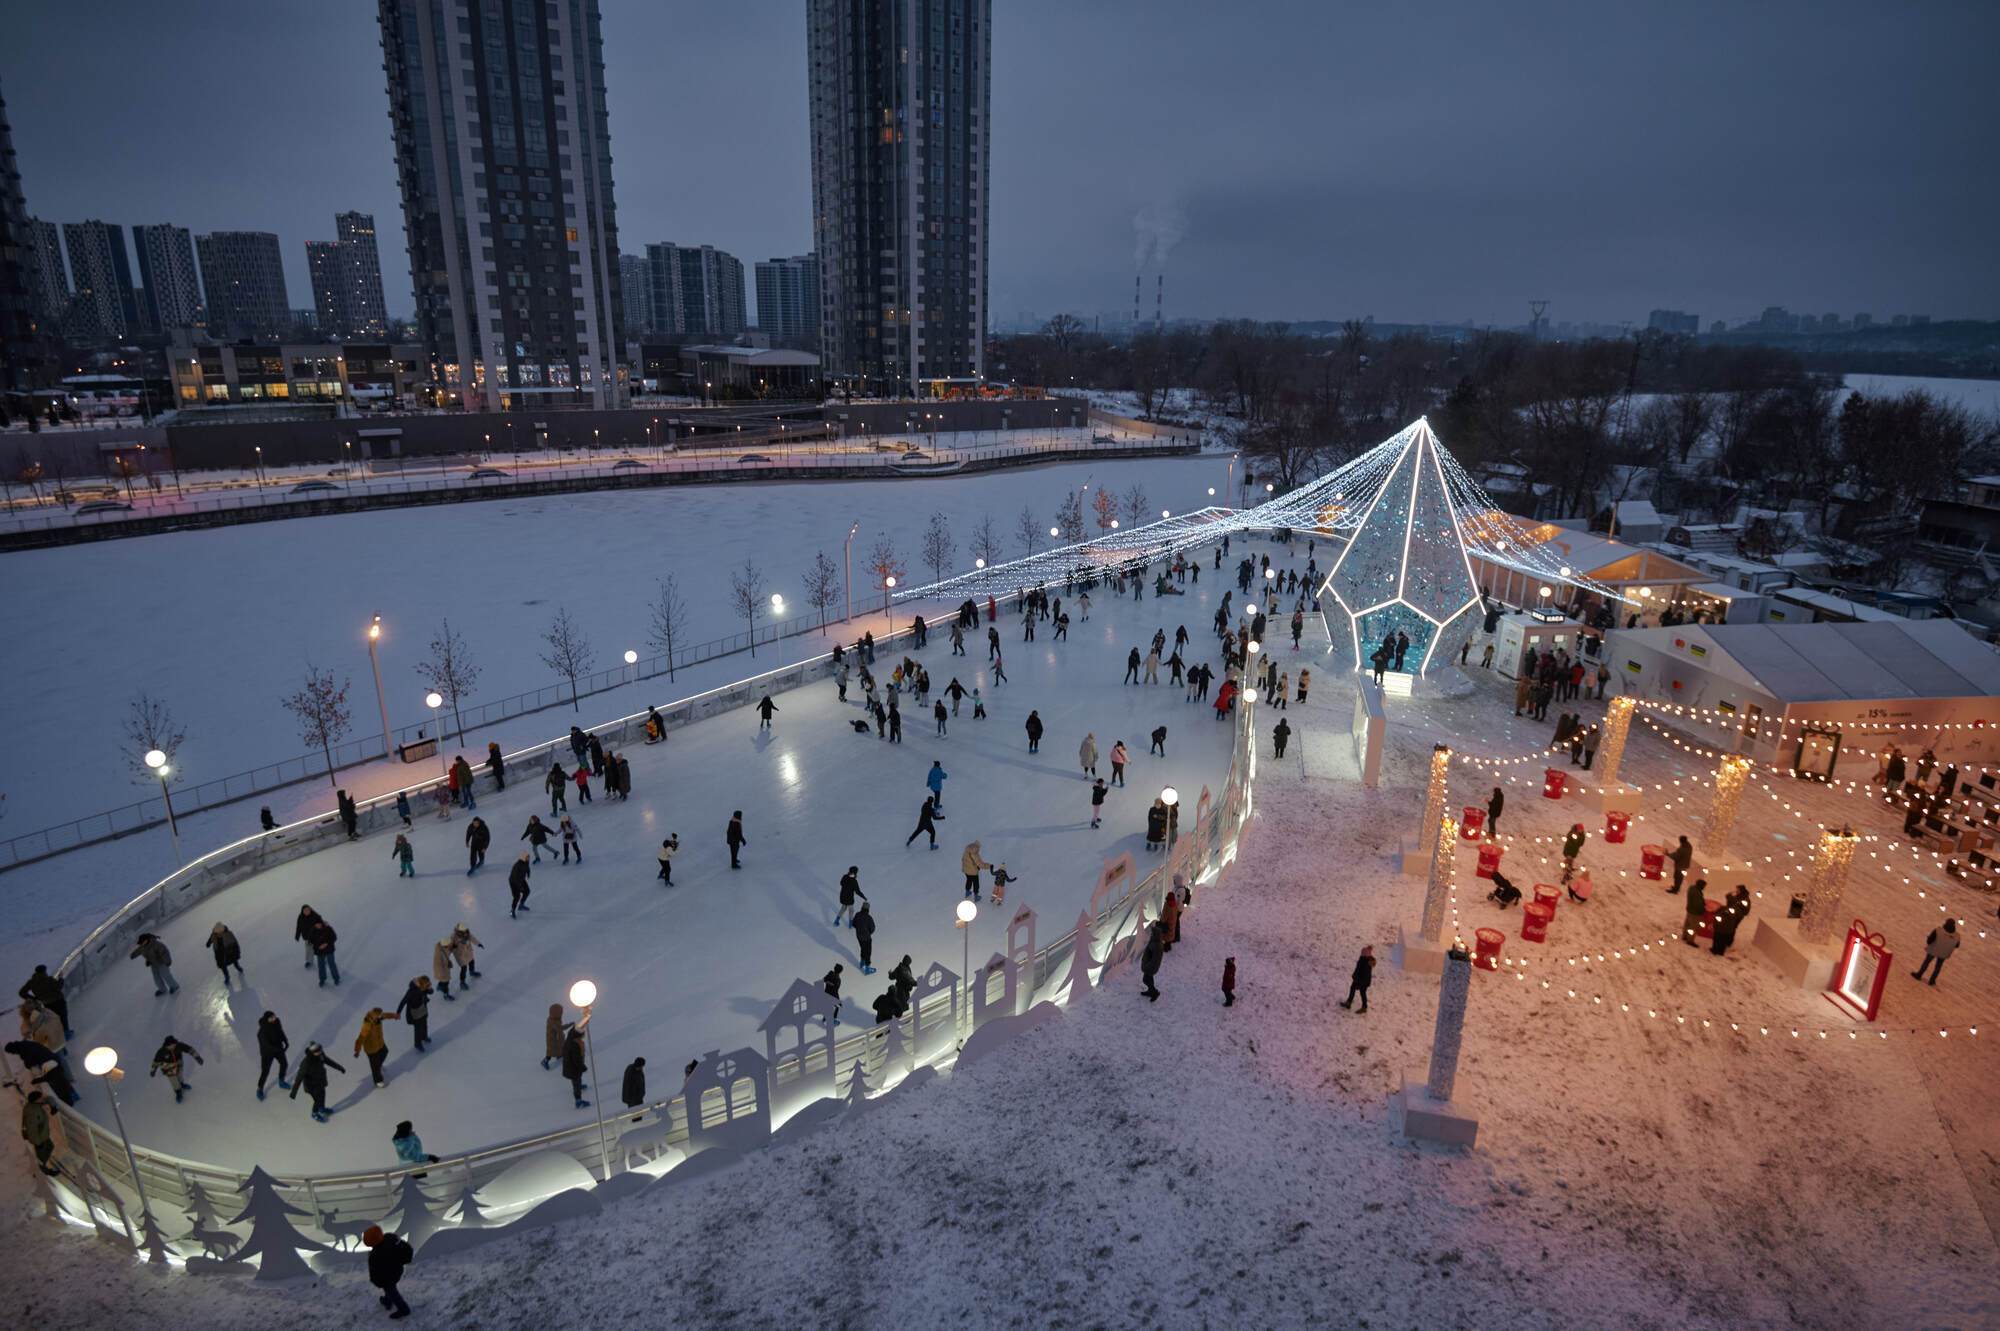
point(371, 1040)
point(410, 1149)
point(44, 988)
point(154, 953)
point(850, 886)
point(321, 936)
point(44, 1028)
point(387, 1259)
point(168, 1059)
point(1086, 753)
point(441, 962)
point(573, 1061)
point(1149, 960)
point(970, 863)
point(1941, 944)
point(938, 775)
point(734, 836)
point(478, 835)
point(462, 944)
point(1156, 823)
point(1118, 755)
point(517, 877)
point(1682, 856)
point(1495, 805)
point(36, 1125)
point(536, 833)
point(227, 951)
point(1572, 845)
point(271, 1040)
point(312, 1073)
point(1170, 913)
point(1034, 727)
point(1229, 976)
point(415, 1004)
point(1364, 971)
point(864, 925)
point(633, 1091)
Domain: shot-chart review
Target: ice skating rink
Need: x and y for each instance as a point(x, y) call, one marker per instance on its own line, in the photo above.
point(694, 967)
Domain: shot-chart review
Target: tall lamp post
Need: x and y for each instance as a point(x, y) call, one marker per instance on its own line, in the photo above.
point(1171, 798)
point(967, 911)
point(375, 662)
point(583, 994)
point(103, 1062)
point(435, 700)
point(157, 761)
point(888, 589)
point(632, 659)
point(847, 561)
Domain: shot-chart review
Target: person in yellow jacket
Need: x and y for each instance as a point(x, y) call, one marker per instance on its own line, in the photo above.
point(372, 1043)
point(971, 864)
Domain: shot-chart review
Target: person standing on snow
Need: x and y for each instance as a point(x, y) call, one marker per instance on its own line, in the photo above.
point(1132, 667)
point(415, 1008)
point(582, 779)
point(372, 1044)
point(1281, 734)
point(464, 944)
point(168, 1060)
point(970, 865)
point(1943, 941)
point(1229, 982)
point(850, 888)
point(350, 817)
point(388, 1256)
point(1097, 794)
point(1494, 807)
point(312, 1079)
point(1364, 973)
point(403, 808)
point(864, 937)
point(227, 951)
point(895, 721)
point(1682, 857)
point(1149, 960)
point(405, 856)
point(517, 887)
point(734, 836)
point(496, 765)
point(271, 1046)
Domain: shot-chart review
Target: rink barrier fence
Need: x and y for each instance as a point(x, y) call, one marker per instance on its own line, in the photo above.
point(1201, 854)
point(144, 814)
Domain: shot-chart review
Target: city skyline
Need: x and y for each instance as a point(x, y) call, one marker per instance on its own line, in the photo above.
point(1374, 171)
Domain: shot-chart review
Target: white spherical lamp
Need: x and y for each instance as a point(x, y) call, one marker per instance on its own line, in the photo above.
point(968, 911)
point(100, 1060)
point(583, 993)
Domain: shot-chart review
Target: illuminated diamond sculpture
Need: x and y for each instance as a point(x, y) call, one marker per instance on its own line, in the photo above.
point(1405, 569)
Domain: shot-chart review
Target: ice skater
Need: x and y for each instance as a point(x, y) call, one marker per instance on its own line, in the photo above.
point(312, 1079)
point(227, 951)
point(668, 849)
point(415, 1008)
point(271, 1046)
point(864, 936)
point(970, 864)
point(517, 887)
point(168, 1059)
point(734, 836)
point(1097, 794)
point(572, 839)
point(765, 710)
point(405, 856)
point(150, 949)
point(477, 838)
point(850, 888)
point(938, 776)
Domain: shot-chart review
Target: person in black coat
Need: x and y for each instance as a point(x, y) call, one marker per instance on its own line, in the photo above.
point(517, 887)
point(312, 1079)
point(415, 1008)
point(350, 817)
point(1493, 810)
point(388, 1256)
point(1364, 972)
point(1149, 960)
point(850, 888)
point(831, 983)
point(902, 983)
point(33, 1054)
point(1034, 728)
point(575, 1064)
point(734, 836)
point(271, 1046)
point(477, 838)
point(47, 990)
point(864, 937)
point(633, 1092)
point(925, 824)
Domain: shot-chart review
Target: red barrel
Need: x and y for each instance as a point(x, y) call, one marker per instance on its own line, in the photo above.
point(1553, 780)
point(1548, 894)
point(1471, 823)
point(1486, 948)
point(1709, 910)
point(1615, 823)
point(1535, 922)
point(1652, 861)
point(1489, 860)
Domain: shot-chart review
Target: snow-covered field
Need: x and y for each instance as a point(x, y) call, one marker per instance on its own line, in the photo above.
point(1181, 1164)
point(221, 623)
point(1979, 396)
point(685, 969)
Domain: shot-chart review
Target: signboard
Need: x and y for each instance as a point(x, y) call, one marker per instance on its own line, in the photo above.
point(1863, 971)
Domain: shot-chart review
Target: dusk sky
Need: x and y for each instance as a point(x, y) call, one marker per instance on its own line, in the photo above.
point(1414, 162)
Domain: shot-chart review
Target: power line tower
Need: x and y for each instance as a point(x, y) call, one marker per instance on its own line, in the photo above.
point(1536, 309)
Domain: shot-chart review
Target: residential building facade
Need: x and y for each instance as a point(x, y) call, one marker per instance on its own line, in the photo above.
point(48, 276)
point(788, 296)
point(900, 105)
point(503, 156)
point(171, 294)
point(635, 284)
point(103, 305)
point(244, 278)
point(22, 338)
point(697, 290)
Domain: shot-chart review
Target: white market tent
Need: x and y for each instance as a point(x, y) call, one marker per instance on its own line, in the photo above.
point(1916, 683)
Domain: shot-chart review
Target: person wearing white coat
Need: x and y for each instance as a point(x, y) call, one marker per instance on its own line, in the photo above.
point(1086, 754)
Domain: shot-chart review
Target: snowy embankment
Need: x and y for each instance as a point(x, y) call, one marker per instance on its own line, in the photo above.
point(1181, 1164)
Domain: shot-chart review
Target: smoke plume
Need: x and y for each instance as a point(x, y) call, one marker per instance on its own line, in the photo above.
point(1157, 228)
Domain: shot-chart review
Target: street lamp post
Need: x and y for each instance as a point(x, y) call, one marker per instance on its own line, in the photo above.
point(435, 700)
point(103, 1062)
point(1171, 798)
point(888, 588)
point(260, 470)
point(375, 663)
point(632, 659)
point(158, 762)
point(967, 911)
point(847, 560)
point(583, 994)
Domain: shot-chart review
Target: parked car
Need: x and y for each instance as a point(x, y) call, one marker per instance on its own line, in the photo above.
point(313, 487)
point(487, 474)
point(628, 464)
point(102, 506)
point(753, 457)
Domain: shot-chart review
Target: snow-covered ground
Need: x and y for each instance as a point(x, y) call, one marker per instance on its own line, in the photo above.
point(247, 607)
point(683, 969)
point(1978, 396)
point(1182, 1164)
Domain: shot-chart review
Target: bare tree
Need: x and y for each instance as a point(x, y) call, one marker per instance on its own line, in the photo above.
point(669, 619)
point(450, 671)
point(939, 547)
point(822, 583)
point(149, 725)
point(1069, 518)
point(569, 653)
point(320, 707)
point(986, 540)
point(1136, 505)
point(1106, 506)
point(746, 593)
point(1028, 530)
point(885, 564)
